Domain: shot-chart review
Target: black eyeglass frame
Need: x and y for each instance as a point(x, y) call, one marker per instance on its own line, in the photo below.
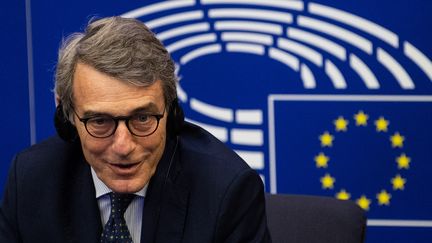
point(116, 120)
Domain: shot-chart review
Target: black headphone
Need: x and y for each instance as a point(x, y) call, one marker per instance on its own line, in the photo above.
point(63, 126)
point(175, 119)
point(67, 131)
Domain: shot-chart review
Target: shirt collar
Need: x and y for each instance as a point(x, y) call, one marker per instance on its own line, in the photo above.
point(102, 189)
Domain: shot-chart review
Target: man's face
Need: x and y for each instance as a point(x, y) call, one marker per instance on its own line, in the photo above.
point(124, 162)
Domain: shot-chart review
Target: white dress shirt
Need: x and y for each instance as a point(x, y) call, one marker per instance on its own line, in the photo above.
point(133, 214)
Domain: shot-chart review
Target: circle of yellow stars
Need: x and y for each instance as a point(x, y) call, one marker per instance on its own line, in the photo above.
point(361, 119)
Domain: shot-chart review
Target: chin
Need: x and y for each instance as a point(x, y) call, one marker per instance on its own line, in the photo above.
point(126, 186)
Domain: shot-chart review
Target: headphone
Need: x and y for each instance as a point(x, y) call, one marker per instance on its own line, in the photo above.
point(175, 119)
point(67, 131)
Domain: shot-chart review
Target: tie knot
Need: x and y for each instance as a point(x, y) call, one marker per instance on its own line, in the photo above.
point(120, 202)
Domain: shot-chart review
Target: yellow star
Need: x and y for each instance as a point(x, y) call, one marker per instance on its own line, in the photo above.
point(403, 161)
point(397, 140)
point(363, 202)
point(381, 124)
point(327, 181)
point(326, 139)
point(321, 160)
point(343, 195)
point(361, 118)
point(340, 124)
point(398, 182)
point(383, 198)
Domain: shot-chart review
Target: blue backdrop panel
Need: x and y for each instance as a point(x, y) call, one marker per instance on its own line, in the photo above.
point(14, 92)
point(321, 97)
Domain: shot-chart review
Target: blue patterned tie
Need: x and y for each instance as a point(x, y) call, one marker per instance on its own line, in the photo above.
point(116, 230)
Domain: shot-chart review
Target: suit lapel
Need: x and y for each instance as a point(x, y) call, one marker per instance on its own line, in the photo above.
point(166, 201)
point(82, 218)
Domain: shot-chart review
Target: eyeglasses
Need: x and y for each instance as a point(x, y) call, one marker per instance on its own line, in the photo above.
point(139, 124)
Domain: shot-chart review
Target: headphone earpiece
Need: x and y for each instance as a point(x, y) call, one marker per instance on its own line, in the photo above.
point(175, 118)
point(63, 126)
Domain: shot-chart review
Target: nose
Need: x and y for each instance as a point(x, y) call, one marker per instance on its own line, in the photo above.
point(123, 141)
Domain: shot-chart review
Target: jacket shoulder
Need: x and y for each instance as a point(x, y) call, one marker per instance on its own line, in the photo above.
point(48, 156)
point(198, 143)
point(45, 147)
point(207, 162)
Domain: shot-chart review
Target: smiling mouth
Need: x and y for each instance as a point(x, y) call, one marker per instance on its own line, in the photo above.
point(124, 168)
point(127, 166)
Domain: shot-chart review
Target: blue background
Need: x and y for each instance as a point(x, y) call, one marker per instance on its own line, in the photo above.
point(30, 40)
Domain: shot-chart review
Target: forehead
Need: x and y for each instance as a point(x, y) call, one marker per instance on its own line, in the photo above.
point(93, 90)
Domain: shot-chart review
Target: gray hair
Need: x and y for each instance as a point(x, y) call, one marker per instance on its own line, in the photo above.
point(122, 48)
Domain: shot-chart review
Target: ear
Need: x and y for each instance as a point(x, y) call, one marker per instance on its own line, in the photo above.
point(57, 100)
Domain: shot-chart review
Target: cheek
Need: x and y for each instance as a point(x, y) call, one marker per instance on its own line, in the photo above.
point(90, 146)
point(93, 149)
point(155, 144)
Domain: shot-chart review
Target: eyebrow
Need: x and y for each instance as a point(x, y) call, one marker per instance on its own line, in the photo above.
point(150, 108)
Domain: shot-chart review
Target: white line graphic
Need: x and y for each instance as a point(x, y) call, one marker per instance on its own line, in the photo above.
point(205, 50)
point(183, 30)
point(395, 68)
point(335, 75)
point(251, 14)
point(175, 18)
point(399, 223)
point(181, 94)
point(364, 72)
point(418, 58)
point(357, 22)
point(301, 50)
point(307, 77)
point(285, 58)
point(252, 137)
point(246, 48)
point(338, 32)
point(272, 143)
point(290, 4)
point(249, 117)
point(318, 41)
point(354, 98)
point(216, 112)
point(249, 26)
point(248, 37)
point(194, 40)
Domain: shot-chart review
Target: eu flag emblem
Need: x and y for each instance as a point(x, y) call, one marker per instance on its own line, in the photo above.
point(374, 150)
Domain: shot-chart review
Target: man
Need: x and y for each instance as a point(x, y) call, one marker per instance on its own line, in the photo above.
point(128, 168)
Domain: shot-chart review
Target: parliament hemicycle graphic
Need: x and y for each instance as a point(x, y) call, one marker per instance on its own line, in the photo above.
point(329, 98)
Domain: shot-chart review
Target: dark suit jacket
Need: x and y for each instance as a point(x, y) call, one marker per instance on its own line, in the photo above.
point(201, 192)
